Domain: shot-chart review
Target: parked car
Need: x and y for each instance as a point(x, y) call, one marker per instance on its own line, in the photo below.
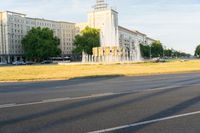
point(29, 62)
point(156, 59)
point(47, 62)
point(162, 60)
point(57, 60)
point(19, 63)
point(3, 63)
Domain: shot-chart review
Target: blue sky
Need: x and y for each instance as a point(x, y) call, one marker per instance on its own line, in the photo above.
point(175, 22)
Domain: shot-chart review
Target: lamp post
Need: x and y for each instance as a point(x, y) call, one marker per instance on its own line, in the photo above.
point(164, 47)
point(150, 51)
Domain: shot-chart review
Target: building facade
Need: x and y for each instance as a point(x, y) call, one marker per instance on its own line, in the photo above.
point(14, 26)
point(106, 20)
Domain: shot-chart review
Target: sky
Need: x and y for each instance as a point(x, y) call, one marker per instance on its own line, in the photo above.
point(176, 23)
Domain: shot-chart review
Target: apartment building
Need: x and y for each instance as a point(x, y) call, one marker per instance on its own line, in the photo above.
point(14, 26)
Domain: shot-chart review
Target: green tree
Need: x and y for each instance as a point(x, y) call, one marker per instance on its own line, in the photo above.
point(168, 52)
point(197, 51)
point(156, 49)
point(86, 40)
point(145, 50)
point(40, 44)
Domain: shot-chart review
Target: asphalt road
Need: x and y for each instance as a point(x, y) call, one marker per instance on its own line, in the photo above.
point(146, 104)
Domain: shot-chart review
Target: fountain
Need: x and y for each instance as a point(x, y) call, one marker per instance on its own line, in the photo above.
point(113, 55)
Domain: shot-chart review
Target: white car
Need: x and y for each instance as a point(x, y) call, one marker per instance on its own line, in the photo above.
point(19, 63)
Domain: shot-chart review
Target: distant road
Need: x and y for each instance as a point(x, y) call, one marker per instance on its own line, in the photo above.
point(146, 104)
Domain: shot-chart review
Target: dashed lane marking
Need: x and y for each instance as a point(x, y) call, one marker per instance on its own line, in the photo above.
point(55, 100)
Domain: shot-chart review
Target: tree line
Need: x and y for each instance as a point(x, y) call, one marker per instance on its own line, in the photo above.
point(156, 49)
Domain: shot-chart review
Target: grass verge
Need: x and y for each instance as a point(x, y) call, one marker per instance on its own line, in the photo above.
point(61, 72)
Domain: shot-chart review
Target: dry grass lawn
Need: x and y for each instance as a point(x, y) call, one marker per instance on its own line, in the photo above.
point(57, 72)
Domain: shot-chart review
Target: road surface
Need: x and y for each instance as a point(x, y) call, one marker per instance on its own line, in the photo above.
point(146, 104)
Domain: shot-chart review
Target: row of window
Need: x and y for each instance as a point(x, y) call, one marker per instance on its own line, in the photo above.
point(16, 52)
point(16, 36)
point(67, 26)
point(16, 41)
point(67, 43)
point(19, 26)
point(15, 31)
point(68, 35)
point(18, 19)
point(67, 39)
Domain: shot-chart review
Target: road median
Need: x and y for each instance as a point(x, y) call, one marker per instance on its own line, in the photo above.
point(66, 72)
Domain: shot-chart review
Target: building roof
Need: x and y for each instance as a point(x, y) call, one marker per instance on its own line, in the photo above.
point(21, 14)
point(140, 33)
point(134, 31)
point(151, 39)
point(50, 20)
point(16, 13)
point(127, 29)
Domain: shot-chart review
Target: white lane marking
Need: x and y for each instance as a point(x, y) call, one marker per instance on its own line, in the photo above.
point(164, 88)
point(55, 100)
point(7, 105)
point(103, 94)
point(145, 122)
point(93, 96)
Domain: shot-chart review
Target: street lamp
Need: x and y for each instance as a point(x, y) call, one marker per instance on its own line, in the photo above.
point(164, 47)
point(150, 52)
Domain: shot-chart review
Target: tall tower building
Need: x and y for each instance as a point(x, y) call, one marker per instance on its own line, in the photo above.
point(106, 19)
